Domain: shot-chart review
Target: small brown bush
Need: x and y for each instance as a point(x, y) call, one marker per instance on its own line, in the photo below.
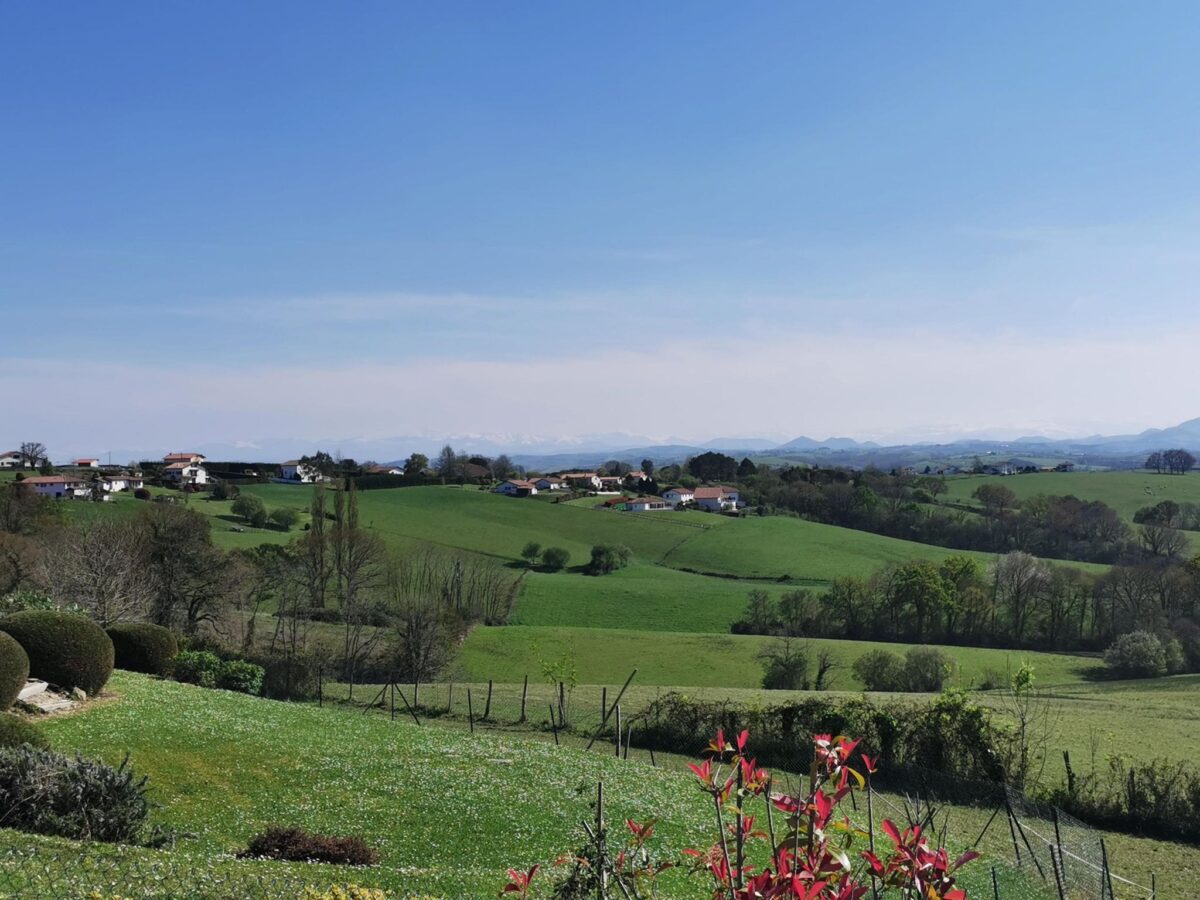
point(297, 845)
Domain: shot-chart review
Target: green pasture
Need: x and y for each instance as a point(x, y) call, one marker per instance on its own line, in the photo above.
point(601, 656)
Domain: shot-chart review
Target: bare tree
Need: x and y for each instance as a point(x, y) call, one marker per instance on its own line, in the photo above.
point(1159, 540)
point(827, 665)
point(33, 453)
point(1017, 579)
point(190, 574)
point(314, 552)
point(423, 631)
point(102, 566)
point(359, 568)
point(18, 555)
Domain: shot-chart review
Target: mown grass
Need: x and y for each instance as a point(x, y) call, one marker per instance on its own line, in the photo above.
point(603, 656)
point(447, 809)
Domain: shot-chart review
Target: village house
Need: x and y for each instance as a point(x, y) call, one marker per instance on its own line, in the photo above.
point(197, 458)
point(551, 483)
point(295, 472)
point(586, 480)
point(121, 481)
point(679, 495)
point(183, 474)
point(516, 488)
point(610, 483)
point(376, 469)
point(645, 504)
point(56, 486)
point(11, 459)
point(86, 463)
point(716, 499)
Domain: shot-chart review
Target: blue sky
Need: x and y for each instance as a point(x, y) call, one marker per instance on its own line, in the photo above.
point(876, 219)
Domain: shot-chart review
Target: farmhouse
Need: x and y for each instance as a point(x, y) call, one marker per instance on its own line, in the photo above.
point(610, 482)
point(122, 481)
point(57, 486)
point(185, 473)
point(645, 504)
point(476, 471)
point(515, 488)
point(586, 480)
point(551, 483)
point(717, 498)
point(295, 472)
point(679, 495)
point(196, 458)
point(11, 459)
point(376, 469)
point(86, 463)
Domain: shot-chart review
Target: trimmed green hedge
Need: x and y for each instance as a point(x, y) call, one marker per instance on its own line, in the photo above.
point(15, 731)
point(14, 670)
point(142, 647)
point(66, 649)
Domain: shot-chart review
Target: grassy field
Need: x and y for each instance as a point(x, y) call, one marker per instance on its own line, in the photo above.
point(448, 810)
point(1126, 492)
point(603, 656)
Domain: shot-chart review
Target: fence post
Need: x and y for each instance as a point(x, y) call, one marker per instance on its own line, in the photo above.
point(392, 697)
point(524, 696)
point(1056, 865)
point(553, 724)
point(995, 884)
point(1153, 887)
point(487, 706)
point(1107, 872)
point(470, 712)
point(617, 737)
point(450, 698)
point(320, 685)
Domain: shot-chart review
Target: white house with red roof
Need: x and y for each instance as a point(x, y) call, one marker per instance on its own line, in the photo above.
point(646, 504)
point(295, 472)
point(679, 495)
point(11, 459)
point(716, 499)
point(517, 488)
point(184, 473)
point(588, 480)
point(86, 463)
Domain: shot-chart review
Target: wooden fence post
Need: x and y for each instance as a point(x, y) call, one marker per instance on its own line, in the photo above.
point(524, 696)
point(470, 712)
point(617, 736)
point(487, 706)
point(553, 724)
point(320, 685)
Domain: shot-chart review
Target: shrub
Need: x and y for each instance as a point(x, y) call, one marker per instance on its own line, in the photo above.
point(530, 552)
point(1138, 654)
point(608, 558)
point(785, 667)
point(14, 670)
point(251, 509)
point(297, 845)
point(142, 647)
point(19, 601)
point(239, 675)
point(15, 731)
point(141, 494)
point(555, 558)
point(198, 667)
point(284, 517)
point(881, 670)
point(67, 649)
point(926, 669)
point(48, 793)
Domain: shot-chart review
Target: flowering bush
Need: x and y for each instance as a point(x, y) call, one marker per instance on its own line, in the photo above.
point(811, 853)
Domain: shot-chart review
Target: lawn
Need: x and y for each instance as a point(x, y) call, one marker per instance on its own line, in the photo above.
point(448, 810)
point(1124, 491)
point(640, 597)
point(604, 656)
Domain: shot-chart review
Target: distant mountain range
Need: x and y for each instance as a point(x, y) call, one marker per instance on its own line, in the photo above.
point(537, 452)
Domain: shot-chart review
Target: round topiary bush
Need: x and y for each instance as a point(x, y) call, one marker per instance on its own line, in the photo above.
point(14, 670)
point(15, 731)
point(66, 649)
point(142, 647)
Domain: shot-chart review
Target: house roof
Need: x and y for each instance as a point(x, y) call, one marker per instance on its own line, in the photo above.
point(177, 457)
point(578, 475)
point(179, 465)
point(712, 493)
point(679, 490)
point(644, 500)
point(85, 460)
point(291, 462)
point(51, 479)
point(520, 484)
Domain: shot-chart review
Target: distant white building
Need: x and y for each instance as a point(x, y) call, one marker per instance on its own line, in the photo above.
point(57, 486)
point(515, 488)
point(295, 472)
point(646, 504)
point(11, 459)
point(184, 458)
point(586, 480)
point(377, 469)
point(550, 483)
point(86, 463)
point(679, 495)
point(122, 481)
point(717, 498)
point(185, 473)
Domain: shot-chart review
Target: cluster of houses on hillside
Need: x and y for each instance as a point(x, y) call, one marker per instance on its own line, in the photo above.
point(716, 498)
point(87, 478)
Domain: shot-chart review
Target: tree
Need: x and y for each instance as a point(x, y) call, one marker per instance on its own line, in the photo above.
point(100, 564)
point(502, 467)
point(917, 588)
point(785, 666)
point(422, 632)
point(1178, 461)
point(760, 616)
point(416, 464)
point(225, 490)
point(881, 670)
point(251, 508)
point(1155, 461)
point(1159, 540)
point(616, 467)
point(713, 466)
point(322, 463)
point(190, 574)
point(1137, 654)
point(746, 468)
point(285, 517)
point(313, 552)
point(33, 454)
point(555, 558)
point(608, 558)
point(447, 463)
point(827, 664)
point(648, 468)
point(996, 498)
point(799, 613)
point(358, 569)
point(530, 552)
